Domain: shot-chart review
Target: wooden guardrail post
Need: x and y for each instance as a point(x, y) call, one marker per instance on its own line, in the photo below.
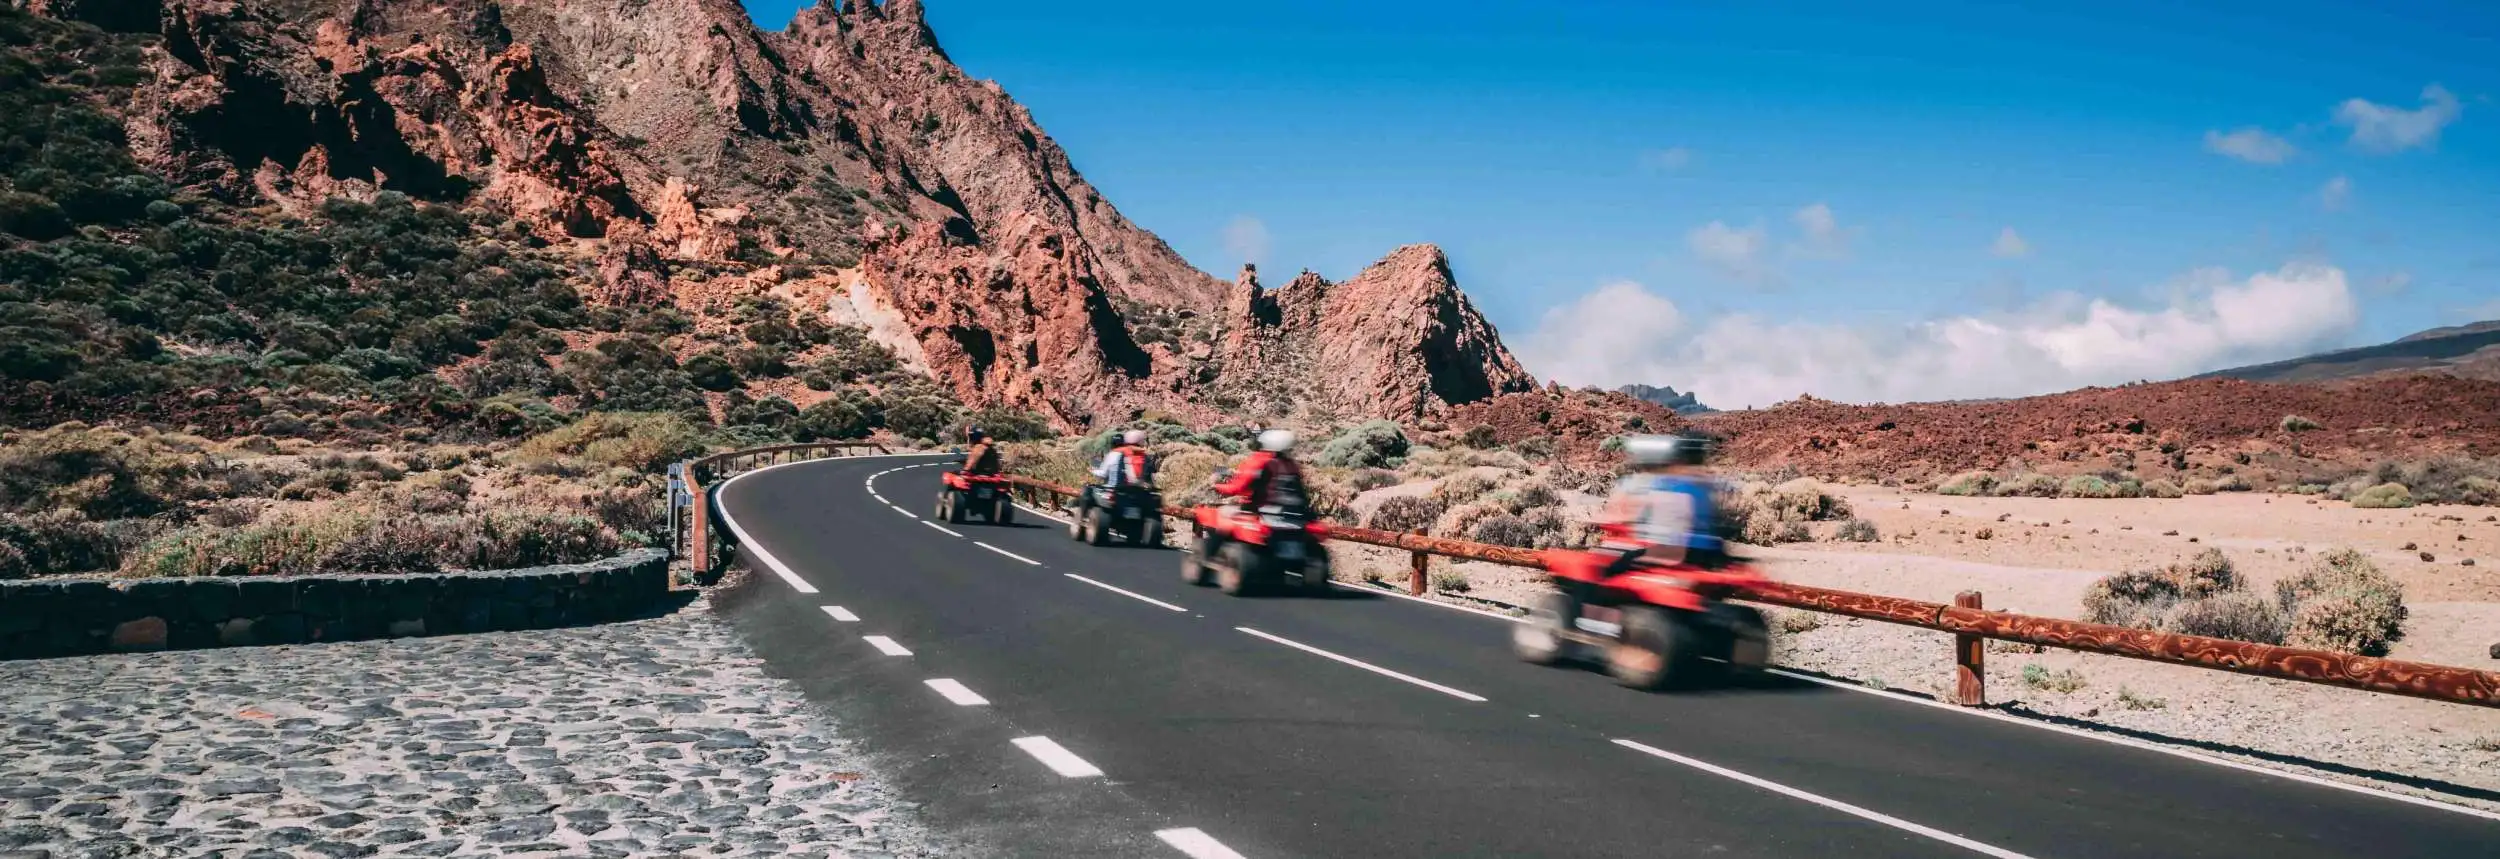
point(1418, 568)
point(1970, 659)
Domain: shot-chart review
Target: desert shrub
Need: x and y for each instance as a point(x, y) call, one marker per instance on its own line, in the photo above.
point(1449, 581)
point(1479, 436)
point(2032, 485)
point(1460, 520)
point(1373, 444)
point(1535, 447)
point(1187, 474)
point(2296, 423)
point(55, 541)
point(377, 542)
point(1804, 500)
point(1968, 483)
point(2207, 574)
point(2136, 598)
point(2089, 486)
point(2444, 480)
point(1533, 495)
point(1763, 529)
point(2159, 488)
point(837, 419)
point(2383, 496)
point(1404, 513)
point(2062, 681)
point(1857, 531)
point(1463, 488)
point(1368, 479)
point(919, 417)
point(2240, 615)
point(321, 483)
point(772, 415)
point(639, 441)
point(2343, 602)
point(712, 372)
point(100, 473)
point(2201, 486)
point(1503, 529)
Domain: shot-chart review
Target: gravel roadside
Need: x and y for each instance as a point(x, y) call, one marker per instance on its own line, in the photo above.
point(661, 736)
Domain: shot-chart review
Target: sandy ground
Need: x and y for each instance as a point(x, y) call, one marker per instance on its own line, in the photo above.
point(2040, 555)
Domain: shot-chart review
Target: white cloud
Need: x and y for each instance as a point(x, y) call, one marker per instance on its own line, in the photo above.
point(2381, 128)
point(1246, 238)
point(1624, 333)
point(1824, 236)
point(2336, 193)
point(1667, 160)
point(1740, 254)
point(2010, 244)
point(2251, 144)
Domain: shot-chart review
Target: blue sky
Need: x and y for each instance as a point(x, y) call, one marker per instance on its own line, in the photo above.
point(1764, 199)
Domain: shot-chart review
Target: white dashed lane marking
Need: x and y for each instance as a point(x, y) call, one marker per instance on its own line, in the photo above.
point(1006, 553)
point(956, 692)
point(1130, 594)
point(941, 528)
point(1827, 802)
point(841, 614)
point(1058, 759)
point(1375, 669)
point(885, 645)
point(1196, 845)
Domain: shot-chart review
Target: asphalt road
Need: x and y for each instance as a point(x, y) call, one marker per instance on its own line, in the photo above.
point(1045, 698)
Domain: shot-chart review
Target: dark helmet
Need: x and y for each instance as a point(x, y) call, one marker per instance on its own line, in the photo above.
point(974, 435)
point(1649, 451)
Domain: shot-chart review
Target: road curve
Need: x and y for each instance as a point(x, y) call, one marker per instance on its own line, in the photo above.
point(1045, 698)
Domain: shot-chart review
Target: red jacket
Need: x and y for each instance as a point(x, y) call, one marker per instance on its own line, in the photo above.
point(1257, 477)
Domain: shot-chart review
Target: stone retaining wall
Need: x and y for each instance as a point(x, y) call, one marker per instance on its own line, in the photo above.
point(71, 618)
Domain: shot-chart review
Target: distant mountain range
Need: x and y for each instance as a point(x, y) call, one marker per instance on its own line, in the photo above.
point(2471, 351)
point(1683, 404)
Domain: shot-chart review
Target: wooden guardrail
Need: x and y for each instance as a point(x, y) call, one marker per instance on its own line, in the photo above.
point(1971, 624)
point(704, 475)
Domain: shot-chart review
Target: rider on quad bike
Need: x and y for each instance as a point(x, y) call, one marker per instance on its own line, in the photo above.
point(978, 488)
point(1661, 582)
point(1666, 510)
point(1123, 498)
point(1265, 532)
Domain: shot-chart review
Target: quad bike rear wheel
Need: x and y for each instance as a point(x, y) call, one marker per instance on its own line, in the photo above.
point(1076, 525)
point(1149, 532)
point(1005, 512)
point(955, 508)
point(1098, 526)
point(1656, 646)
point(1537, 641)
point(1315, 574)
point(1748, 641)
point(1194, 569)
point(1241, 570)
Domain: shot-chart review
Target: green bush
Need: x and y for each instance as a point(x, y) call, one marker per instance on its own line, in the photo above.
point(2296, 423)
point(2088, 486)
point(58, 541)
point(2159, 488)
point(1405, 513)
point(640, 441)
point(2343, 602)
point(2030, 486)
point(1968, 483)
point(33, 216)
point(712, 372)
point(1857, 531)
point(2383, 496)
point(1374, 444)
point(1006, 424)
point(1365, 480)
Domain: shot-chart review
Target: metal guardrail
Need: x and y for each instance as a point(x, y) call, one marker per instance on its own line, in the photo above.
point(705, 474)
point(1971, 624)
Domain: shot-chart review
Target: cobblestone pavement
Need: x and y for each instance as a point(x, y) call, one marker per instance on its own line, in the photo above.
point(649, 737)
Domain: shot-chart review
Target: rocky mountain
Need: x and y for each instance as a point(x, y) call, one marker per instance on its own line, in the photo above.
point(1397, 340)
point(1683, 404)
point(2469, 351)
point(688, 158)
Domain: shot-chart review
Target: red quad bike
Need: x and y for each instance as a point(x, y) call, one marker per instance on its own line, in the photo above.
point(1246, 550)
point(1653, 626)
point(966, 495)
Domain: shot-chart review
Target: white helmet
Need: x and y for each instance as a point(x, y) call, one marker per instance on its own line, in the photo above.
point(1276, 441)
point(1656, 450)
point(1135, 436)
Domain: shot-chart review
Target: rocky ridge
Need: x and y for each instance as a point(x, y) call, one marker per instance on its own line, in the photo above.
point(683, 154)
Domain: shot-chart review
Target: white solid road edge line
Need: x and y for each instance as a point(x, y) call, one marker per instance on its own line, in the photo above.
point(1126, 593)
point(885, 645)
point(765, 555)
point(841, 614)
point(1058, 759)
point(948, 531)
point(1826, 802)
point(1195, 844)
point(1006, 553)
point(956, 692)
point(1375, 669)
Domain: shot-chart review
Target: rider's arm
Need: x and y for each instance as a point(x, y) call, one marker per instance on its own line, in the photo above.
point(1239, 484)
point(1110, 464)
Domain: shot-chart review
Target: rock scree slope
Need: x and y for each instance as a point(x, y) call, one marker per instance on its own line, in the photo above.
point(666, 141)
